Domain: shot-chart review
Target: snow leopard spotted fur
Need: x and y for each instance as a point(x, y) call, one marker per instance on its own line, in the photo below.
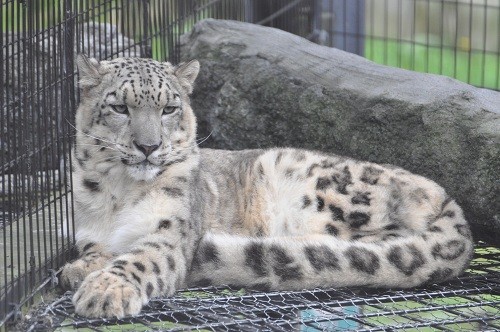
point(155, 213)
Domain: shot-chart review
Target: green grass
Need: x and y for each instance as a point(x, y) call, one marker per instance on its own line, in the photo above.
point(160, 45)
point(473, 67)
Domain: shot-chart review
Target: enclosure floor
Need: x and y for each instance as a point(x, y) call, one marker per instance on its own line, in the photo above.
point(468, 303)
point(34, 239)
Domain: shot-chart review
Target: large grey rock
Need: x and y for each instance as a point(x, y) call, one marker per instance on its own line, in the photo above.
point(262, 87)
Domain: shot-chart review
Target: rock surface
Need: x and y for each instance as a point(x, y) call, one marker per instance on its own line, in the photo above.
point(261, 87)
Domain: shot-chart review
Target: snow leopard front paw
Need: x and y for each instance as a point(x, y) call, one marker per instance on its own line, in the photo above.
point(74, 273)
point(104, 294)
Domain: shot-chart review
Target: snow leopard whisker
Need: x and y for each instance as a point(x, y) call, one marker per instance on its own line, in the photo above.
point(98, 146)
point(107, 159)
point(91, 136)
point(204, 139)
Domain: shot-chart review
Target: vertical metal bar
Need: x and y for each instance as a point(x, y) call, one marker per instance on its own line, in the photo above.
point(104, 18)
point(169, 13)
point(10, 169)
point(155, 30)
point(180, 30)
point(36, 139)
point(131, 18)
point(146, 29)
point(316, 21)
point(152, 29)
point(69, 106)
point(93, 21)
point(399, 37)
point(97, 30)
point(386, 30)
point(339, 29)
point(485, 34)
point(42, 166)
point(44, 123)
point(497, 72)
point(120, 26)
point(360, 28)
point(469, 42)
point(249, 10)
point(456, 41)
point(125, 20)
point(166, 30)
point(53, 225)
point(160, 33)
point(113, 34)
point(3, 175)
point(14, 169)
point(60, 102)
point(427, 33)
point(441, 39)
point(372, 29)
point(78, 30)
point(22, 145)
point(89, 17)
point(413, 32)
point(344, 25)
point(120, 13)
point(282, 21)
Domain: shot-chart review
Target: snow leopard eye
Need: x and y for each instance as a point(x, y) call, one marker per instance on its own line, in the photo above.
point(169, 110)
point(120, 109)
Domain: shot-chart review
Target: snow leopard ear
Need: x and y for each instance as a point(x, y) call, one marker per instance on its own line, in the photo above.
point(88, 69)
point(186, 74)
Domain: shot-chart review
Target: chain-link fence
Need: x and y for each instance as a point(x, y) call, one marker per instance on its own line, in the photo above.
point(38, 96)
point(38, 43)
point(469, 303)
point(455, 38)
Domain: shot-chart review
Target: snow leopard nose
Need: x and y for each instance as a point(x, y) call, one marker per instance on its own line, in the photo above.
point(147, 149)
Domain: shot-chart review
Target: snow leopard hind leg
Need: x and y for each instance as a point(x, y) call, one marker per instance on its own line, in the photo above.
point(318, 220)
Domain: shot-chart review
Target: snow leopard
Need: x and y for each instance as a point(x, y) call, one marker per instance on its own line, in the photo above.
point(155, 213)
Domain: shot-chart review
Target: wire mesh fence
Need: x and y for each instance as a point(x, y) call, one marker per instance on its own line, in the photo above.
point(458, 39)
point(468, 303)
point(38, 43)
point(38, 95)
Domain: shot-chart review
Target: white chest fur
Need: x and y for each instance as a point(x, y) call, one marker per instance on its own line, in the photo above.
point(116, 215)
point(119, 210)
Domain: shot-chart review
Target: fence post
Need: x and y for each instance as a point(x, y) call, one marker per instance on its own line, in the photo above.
point(68, 106)
point(146, 49)
point(249, 8)
point(28, 171)
point(349, 25)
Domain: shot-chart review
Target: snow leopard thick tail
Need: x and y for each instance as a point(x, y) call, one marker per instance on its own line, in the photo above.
point(424, 249)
